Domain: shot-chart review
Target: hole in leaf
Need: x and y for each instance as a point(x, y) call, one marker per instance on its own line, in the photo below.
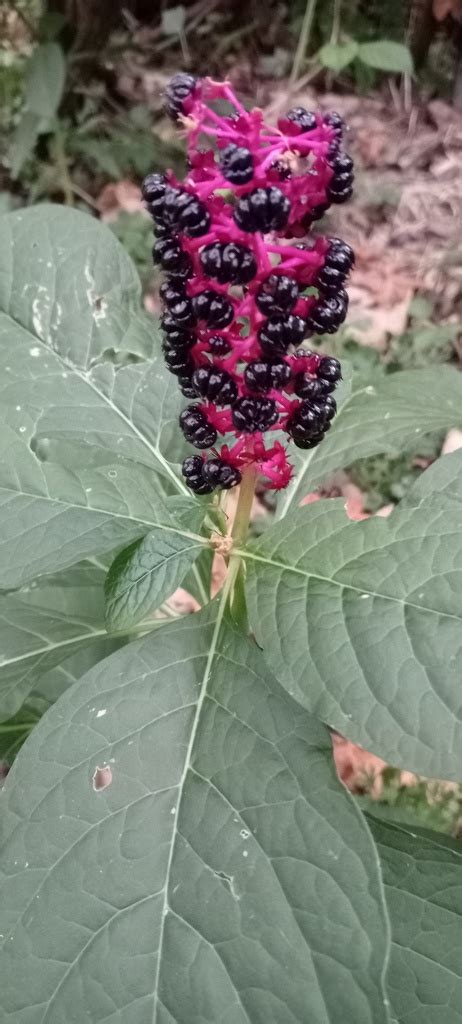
point(102, 778)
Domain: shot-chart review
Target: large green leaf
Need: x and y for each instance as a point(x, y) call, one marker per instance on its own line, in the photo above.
point(387, 416)
point(422, 873)
point(74, 342)
point(46, 623)
point(178, 848)
point(84, 414)
point(362, 623)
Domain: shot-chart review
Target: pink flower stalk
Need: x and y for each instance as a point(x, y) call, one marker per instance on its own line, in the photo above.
point(242, 291)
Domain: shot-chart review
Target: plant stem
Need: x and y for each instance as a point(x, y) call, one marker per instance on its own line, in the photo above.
point(336, 23)
point(244, 506)
point(234, 585)
point(303, 41)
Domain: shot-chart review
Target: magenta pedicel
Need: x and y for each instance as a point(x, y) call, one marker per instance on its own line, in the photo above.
point(245, 284)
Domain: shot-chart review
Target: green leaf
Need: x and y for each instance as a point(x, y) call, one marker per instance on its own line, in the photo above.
point(361, 622)
point(23, 142)
point(83, 412)
point(44, 624)
point(146, 574)
point(45, 76)
point(422, 872)
point(389, 416)
point(440, 485)
point(385, 55)
point(338, 56)
point(172, 20)
point(189, 855)
point(13, 734)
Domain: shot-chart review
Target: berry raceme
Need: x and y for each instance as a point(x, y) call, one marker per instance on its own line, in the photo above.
point(244, 285)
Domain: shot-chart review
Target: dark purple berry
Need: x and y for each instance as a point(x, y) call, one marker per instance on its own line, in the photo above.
point(310, 416)
point(218, 345)
point(329, 279)
point(176, 337)
point(183, 212)
point(182, 312)
point(329, 369)
point(264, 209)
point(329, 313)
point(196, 428)
point(195, 219)
point(180, 87)
point(330, 408)
point(193, 472)
point(192, 466)
point(302, 440)
point(229, 263)
point(263, 375)
point(277, 294)
point(340, 255)
point(171, 257)
point(335, 121)
point(153, 187)
point(281, 331)
point(309, 387)
point(236, 164)
point(340, 193)
point(170, 293)
point(186, 387)
point(177, 361)
point(220, 474)
point(215, 384)
point(304, 119)
point(342, 163)
point(214, 308)
point(252, 414)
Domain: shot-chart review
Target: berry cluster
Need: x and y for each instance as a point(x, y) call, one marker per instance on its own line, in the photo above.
point(244, 286)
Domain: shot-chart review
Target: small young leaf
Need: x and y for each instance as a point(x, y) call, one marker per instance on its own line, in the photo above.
point(361, 622)
point(45, 76)
point(23, 142)
point(389, 415)
point(385, 55)
point(422, 872)
point(172, 20)
point(175, 809)
point(337, 56)
point(147, 573)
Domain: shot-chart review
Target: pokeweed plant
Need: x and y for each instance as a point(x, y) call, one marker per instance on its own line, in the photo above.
point(176, 844)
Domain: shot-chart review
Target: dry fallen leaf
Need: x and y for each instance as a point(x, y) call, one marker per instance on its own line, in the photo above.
point(120, 196)
point(441, 9)
point(452, 441)
point(357, 768)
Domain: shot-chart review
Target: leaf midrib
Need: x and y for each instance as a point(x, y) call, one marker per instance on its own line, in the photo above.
point(246, 554)
point(229, 582)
